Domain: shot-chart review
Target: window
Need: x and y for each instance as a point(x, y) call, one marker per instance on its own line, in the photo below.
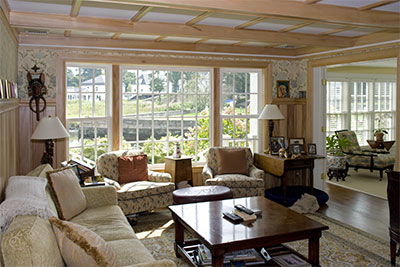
point(88, 110)
point(240, 106)
point(361, 104)
point(162, 106)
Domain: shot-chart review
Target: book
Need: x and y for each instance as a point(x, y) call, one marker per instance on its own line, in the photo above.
point(290, 260)
point(246, 217)
point(244, 255)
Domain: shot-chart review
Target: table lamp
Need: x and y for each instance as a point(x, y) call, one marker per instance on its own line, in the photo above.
point(49, 128)
point(271, 113)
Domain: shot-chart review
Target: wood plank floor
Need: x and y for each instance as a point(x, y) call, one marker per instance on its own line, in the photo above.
point(368, 213)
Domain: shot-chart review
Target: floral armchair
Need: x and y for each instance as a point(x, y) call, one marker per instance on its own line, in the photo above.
point(241, 185)
point(359, 158)
point(136, 196)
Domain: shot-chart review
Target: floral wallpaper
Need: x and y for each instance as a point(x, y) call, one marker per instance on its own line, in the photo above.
point(295, 71)
point(8, 55)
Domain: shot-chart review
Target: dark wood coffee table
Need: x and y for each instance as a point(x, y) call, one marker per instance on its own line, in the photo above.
point(277, 225)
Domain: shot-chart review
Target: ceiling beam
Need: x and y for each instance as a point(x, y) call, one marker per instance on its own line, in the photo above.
point(76, 6)
point(199, 18)
point(145, 45)
point(46, 21)
point(67, 33)
point(281, 8)
point(309, 2)
point(337, 30)
point(294, 27)
point(116, 36)
point(250, 23)
point(377, 4)
point(141, 13)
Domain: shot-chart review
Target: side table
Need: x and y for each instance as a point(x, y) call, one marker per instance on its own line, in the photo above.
point(380, 144)
point(179, 168)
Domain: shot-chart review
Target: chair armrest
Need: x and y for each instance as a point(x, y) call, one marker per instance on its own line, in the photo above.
point(207, 172)
point(99, 196)
point(157, 263)
point(159, 177)
point(366, 154)
point(256, 173)
point(111, 182)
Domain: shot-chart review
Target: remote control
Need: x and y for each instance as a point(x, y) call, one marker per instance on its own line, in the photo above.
point(233, 217)
point(244, 209)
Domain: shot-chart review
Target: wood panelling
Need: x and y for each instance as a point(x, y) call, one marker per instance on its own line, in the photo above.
point(216, 109)
point(8, 142)
point(115, 107)
point(397, 167)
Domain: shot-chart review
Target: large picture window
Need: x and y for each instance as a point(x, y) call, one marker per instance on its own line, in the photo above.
point(88, 110)
point(362, 105)
point(240, 107)
point(162, 106)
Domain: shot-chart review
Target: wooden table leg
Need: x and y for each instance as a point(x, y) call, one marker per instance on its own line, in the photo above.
point(179, 236)
point(218, 258)
point(313, 248)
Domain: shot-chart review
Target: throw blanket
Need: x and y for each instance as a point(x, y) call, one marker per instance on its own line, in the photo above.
point(25, 195)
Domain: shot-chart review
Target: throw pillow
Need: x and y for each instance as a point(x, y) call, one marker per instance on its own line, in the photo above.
point(232, 161)
point(67, 193)
point(132, 169)
point(80, 246)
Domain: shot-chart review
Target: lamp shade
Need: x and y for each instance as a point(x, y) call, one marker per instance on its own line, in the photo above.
point(271, 112)
point(49, 128)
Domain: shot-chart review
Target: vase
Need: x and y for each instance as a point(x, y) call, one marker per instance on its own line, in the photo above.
point(177, 151)
point(336, 162)
point(379, 137)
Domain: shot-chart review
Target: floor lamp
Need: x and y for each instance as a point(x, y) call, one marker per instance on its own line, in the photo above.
point(271, 113)
point(49, 128)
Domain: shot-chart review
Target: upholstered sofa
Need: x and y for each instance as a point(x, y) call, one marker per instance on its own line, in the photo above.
point(30, 240)
point(251, 184)
point(136, 196)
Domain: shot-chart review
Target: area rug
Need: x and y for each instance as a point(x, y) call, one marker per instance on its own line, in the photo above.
point(364, 181)
point(341, 245)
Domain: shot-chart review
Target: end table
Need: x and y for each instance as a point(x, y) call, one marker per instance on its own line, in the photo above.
point(179, 168)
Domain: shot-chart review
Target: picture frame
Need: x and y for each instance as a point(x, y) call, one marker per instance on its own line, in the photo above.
point(282, 89)
point(296, 149)
point(298, 141)
point(276, 143)
point(312, 149)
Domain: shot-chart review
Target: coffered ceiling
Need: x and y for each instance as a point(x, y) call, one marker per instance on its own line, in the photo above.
point(258, 27)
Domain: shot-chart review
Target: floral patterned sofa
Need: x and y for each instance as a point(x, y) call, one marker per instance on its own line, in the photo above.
point(137, 196)
point(364, 158)
point(241, 185)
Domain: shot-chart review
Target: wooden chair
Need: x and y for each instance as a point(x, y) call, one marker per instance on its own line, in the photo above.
point(393, 195)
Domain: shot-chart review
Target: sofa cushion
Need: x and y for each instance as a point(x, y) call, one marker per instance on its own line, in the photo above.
point(232, 161)
point(108, 222)
point(212, 162)
point(80, 246)
point(132, 169)
point(132, 247)
point(142, 189)
point(67, 193)
point(30, 241)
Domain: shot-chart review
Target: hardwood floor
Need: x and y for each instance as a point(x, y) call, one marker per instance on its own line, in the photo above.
point(368, 213)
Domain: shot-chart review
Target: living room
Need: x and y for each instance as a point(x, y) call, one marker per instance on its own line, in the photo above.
point(161, 73)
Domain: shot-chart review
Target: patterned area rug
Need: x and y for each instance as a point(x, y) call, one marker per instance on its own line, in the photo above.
point(341, 245)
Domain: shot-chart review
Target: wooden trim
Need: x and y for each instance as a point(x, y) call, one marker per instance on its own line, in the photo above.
point(5, 7)
point(216, 116)
point(116, 109)
point(397, 164)
point(159, 39)
point(377, 4)
point(37, 20)
point(289, 101)
point(318, 12)
point(67, 33)
point(116, 36)
point(76, 6)
point(141, 13)
point(377, 37)
point(8, 105)
point(135, 44)
point(5, 17)
point(308, 2)
point(199, 18)
point(337, 30)
point(250, 23)
point(62, 144)
point(267, 99)
point(294, 27)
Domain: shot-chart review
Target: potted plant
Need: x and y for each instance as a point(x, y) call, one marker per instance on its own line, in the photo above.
point(334, 145)
point(379, 132)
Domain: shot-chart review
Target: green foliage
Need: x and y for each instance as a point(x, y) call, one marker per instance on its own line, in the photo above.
point(127, 79)
point(380, 130)
point(335, 145)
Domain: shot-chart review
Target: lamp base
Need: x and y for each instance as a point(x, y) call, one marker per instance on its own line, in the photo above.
point(47, 157)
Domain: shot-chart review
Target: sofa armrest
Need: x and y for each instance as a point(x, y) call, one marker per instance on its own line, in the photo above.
point(112, 183)
point(207, 172)
point(256, 173)
point(159, 177)
point(99, 196)
point(157, 263)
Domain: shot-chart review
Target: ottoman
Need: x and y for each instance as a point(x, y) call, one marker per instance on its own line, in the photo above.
point(201, 194)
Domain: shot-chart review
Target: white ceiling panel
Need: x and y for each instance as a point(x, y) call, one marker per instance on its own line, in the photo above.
point(106, 13)
point(222, 22)
point(16, 5)
point(393, 7)
point(349, 3)
point(314, 29)
point(170, 15)
point(274, 24)
point(355, 32)
point(141, 37)
point(220, 42)
point(181, 39)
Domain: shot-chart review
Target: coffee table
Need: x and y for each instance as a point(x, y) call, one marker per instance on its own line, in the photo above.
point(277, 225)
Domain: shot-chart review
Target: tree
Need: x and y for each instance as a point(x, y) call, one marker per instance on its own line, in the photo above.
point(87, 73)
point(128, 78)
point(72, 80)
point(159, 83)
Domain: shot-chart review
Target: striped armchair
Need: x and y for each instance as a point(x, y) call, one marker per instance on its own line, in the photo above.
point(373, 159)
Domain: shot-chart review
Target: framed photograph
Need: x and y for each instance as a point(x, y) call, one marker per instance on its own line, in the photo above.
point(277, 142)
point(298, 141)
point(282, 89)
point(312, 149)
point(296, 149)
point(287, 260)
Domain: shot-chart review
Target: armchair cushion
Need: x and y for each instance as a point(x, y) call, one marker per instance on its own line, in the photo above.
point(232, 161)
point(352, 137)
point(143, 188)
point(132, 168)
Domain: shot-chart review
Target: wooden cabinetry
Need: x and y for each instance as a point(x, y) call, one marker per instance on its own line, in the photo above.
point(179, 168)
